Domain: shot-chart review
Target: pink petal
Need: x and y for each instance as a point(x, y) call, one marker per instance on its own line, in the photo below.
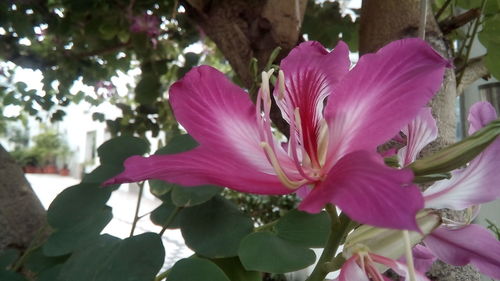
point(480, 114)
point(221, 118)
point(471, 244)
point(399, 267)
point(478, 182)
point(311, 73)
point(379, 96)
point(198, 167)
point(352, 272)
point(423, 258)
point(419, 132)
point(369, 192)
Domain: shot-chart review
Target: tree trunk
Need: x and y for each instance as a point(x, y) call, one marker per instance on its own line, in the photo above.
point(245, 29)
point(384, 21)
point(21, 213)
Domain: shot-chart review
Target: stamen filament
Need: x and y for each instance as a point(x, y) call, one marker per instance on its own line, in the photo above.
point(293, 142)
point(409, 256)
point(281, 85)
point(291, 184)
point(323, 142)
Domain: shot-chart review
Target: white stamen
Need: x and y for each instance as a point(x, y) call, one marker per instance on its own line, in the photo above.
point(322, 142)
point(281, 85)
point(291, 184)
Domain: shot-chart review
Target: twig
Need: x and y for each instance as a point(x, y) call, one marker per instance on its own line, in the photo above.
point(423, 19)
point(339, 228)
point(137, 207)
point(452, 23)
point(442, 9)
point(471, 40)
point(170, 219)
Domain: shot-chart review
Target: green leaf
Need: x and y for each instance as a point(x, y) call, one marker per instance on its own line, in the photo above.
point(195, 195)
point(136, 258)
point(304, 229)
point(76, 203)
point(8, 257)
point(116, 150)
point(233, 268)
point(37, 262)
point(83, 232)
point(264, 251)
point(148, 88)
point(161, 215)
point(490, 38)
point(159, 188)
point(196, 269)
point(101, 174)
point(51, 274)
point(214, 229)
point(178, 144)
point(11, 276)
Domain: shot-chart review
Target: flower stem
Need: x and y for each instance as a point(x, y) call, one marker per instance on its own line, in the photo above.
point(137, 207)
point(339, 228)
point(266, 226)
point(169, 220)
point(33, 244)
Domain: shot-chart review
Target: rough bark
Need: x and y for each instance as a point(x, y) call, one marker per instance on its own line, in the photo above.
point(245, 29)
point(21, 212)
point(384, 21)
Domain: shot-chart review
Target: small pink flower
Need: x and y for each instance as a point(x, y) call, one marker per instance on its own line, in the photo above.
point(337, 119)
point(148, 24)
point(363, 267)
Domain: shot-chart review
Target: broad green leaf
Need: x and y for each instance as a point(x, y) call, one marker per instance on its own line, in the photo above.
point(458, 154)
point(215, 228)
point(233, 268)
point(101, 174)
point(304, 229)
point(490, 38)
point(159, 188)
point(8, 257)
point(195, 195)
point(116, 150)
point(51, 274)
point(76, 203)
point(138, 258)
point(196, 269)
point(161, 215)
point(264, 251)
point(82, 232)
point(84, 264)
point(178, 144)
point(37, 262)
point(11, 276)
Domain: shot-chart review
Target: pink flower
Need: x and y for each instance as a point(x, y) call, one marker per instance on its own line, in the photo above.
point(479, 181)
point(363, 267)
point(474, 184)
point(337, 119)
point(471, 244)
point(148, 24)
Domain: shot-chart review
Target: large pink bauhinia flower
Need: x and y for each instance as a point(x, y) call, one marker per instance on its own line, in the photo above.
point(331, 154)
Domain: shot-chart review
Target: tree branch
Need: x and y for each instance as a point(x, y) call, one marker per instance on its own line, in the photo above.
point(452, 23)
point(473, 71)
